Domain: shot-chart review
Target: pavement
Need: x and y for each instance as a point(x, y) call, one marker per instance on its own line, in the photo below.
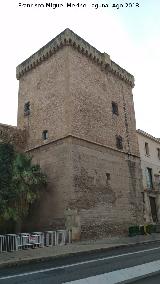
point(9, 259)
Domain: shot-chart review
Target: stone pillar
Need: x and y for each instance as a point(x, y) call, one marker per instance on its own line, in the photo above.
point(72, 223)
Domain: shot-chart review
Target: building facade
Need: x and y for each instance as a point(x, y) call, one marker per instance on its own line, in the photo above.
point(150, 163)
point(76, 106)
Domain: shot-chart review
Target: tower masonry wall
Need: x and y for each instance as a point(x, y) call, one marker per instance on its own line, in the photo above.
point(107, 186)
point(101, 184)
point(70, 94)
point(46, 88)
point(55, 160)
point(92, 90)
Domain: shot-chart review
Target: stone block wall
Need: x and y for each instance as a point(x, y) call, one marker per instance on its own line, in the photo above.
point(107, 187)
point(92, 91)
point(69, 94)
point(102, 185)
point(55, 160)
point(45, 87)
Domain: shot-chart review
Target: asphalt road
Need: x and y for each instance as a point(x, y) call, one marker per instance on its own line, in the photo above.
point(76, 267)
point(155, 279)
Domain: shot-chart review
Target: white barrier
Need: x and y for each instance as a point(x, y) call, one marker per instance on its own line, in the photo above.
point(25, 241)
point(13, 242)
point(61, 237)
point(50, 238)
point(3, 245)
point(39, 238)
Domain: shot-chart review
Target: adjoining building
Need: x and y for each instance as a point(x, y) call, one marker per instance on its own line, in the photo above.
point(149, 147)
point(76, 106)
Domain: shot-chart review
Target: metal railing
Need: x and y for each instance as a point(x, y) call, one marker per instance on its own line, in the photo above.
point(15, 242)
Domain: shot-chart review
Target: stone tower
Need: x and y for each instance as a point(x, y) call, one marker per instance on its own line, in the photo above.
point(77, 107)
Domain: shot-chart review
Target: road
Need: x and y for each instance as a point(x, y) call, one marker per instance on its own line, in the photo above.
point(101, 267)
point(149, 280)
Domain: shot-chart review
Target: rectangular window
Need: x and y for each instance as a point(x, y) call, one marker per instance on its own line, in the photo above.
point(27, 108)
point(108, 176)
point(45, 134)
point(158, 153)
point(149, 178)
point(119, 142)
point(115, 108)
point(146, 148)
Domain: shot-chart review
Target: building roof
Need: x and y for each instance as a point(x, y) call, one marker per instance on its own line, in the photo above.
point(68, 37)
point(145, 134)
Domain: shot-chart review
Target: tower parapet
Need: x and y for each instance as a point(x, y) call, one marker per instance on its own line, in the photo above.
point(68, 37)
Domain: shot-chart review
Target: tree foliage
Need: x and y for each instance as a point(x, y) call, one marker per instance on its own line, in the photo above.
point(6, 159)
point(20, 183)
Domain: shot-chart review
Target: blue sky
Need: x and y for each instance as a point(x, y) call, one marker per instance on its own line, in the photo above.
point(131, 36)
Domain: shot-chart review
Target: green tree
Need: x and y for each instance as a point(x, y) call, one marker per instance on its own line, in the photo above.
point(6, 159)
point(21, 182)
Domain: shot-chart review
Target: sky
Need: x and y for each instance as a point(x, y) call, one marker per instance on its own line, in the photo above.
point(130, 35)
